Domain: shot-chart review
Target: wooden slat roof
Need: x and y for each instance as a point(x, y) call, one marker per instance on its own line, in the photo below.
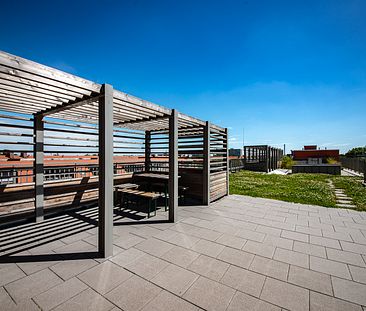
point(31, 88)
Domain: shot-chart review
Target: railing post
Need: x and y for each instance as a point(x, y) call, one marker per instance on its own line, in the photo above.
point(226, 146)
point(173, 165)
point(206, 163)
point(245, 156)
point(105, 234)
point(147, 151)
point(38, 166)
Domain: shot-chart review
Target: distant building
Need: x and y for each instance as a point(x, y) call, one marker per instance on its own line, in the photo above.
point(312, 155)
point(235, 152)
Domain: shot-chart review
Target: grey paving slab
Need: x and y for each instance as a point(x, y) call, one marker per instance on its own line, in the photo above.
point(133, 294)
point(166, 301)
point(292, 257)
point(207, 234)
point(329, 267)
point(297, 236)
point(32, 267)
point(75, 237)
point(358, 238)
point(269, 267)
point(183, 240)
point(25, 288)
point(285, 295)
point(278, 242)
point(337, 235)
point(164, 235)
point(175, 279)
point(309, 230)
point(70, 268)
point(209, 267)
point(313, 280)
point(268, 230)
point(146, 231)
point(154, 247)
point(346, 257)
point(208, 248)
point(104, 277)
point(251, 235)
point(209, 295)
point(126, 257)
point(8, 304)
point(349, 290)
point(358, 274)
point(5, 299)
point(261, 249)
point(243, 280)
point(78, 247)
point(236, 257)
point(128, 241)
point(226, 228)
point(10, 272)
point(310, 249)
point(46, 248)
point(243, 302)
point(180, 256)
point(325, 242)
point(320, 302)
point(147, 266)
point(59, 294)
point(231, 240)
point(87, 300)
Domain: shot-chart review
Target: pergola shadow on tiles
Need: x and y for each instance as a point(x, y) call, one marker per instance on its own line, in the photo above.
point(50, 111)
point(262, 158)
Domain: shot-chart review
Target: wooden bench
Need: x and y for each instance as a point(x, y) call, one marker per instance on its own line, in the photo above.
point(151, 197)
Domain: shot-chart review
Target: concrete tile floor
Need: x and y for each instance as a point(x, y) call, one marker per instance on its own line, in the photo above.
point(240, 253)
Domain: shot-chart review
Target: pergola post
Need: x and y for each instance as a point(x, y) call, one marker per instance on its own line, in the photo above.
point(206, 163)
point(267, 159)
point(147, 151)
point(105, 233)
point(38, 166)
point(173, 165)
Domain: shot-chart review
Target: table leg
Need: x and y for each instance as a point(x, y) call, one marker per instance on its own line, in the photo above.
point(148, 215)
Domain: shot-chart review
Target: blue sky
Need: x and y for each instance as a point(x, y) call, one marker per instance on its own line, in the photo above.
point(289, 72)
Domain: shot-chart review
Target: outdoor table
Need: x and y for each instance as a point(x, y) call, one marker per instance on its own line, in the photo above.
point(162, 178)
point(126, 186)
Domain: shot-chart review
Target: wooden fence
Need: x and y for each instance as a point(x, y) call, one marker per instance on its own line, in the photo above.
point(356, 164)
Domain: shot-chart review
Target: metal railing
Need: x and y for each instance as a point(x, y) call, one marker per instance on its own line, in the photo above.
point(18, 175)
point(236, 165)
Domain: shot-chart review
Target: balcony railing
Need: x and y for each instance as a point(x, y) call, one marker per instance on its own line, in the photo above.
point(18, 175)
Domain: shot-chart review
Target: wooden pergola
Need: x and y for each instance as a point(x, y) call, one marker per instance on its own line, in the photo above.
point(262, 158)
point(30, 88)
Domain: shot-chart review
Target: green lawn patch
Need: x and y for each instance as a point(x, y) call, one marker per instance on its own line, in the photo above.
point(298, 188)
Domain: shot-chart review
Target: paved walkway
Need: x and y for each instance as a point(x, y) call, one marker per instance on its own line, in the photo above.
point(342, 200)
point(240, 253)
